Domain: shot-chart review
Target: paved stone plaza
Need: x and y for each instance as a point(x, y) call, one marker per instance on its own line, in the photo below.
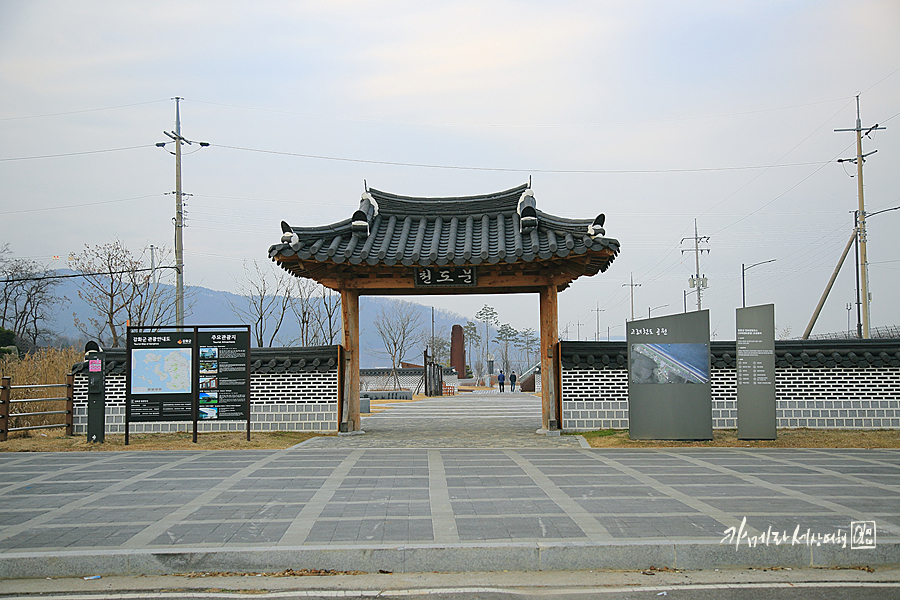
point(451, 484)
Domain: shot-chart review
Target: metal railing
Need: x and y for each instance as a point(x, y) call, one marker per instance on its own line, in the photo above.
point(6, 401)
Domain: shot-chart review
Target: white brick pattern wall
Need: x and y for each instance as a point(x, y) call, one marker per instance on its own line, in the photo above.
point(821, 398)
point(304, 401)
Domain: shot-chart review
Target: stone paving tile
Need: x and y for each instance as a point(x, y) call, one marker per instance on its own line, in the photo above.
point(512, 528)
point(17, 516)
point(626, 491)
point(130, 500)
point(198, 534)
point(424, 424)
point(648, 526)
point(787, 505)
point(88, 536)
point(111, 514)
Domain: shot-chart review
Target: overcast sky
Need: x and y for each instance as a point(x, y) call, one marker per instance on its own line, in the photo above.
point(655, 113)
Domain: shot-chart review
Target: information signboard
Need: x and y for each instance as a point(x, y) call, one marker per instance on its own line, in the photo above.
point(160, 376)
point(201, 373)
point(224, 386)
point(669, 393)
point(755, 340)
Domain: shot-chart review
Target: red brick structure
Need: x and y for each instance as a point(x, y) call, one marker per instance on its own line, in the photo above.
point(458, 351)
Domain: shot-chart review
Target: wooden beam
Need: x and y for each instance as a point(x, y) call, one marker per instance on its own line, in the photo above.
point(350, 323)
point(549, 340)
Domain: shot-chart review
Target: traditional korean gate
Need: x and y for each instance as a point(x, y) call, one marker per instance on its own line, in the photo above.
point(490, 244)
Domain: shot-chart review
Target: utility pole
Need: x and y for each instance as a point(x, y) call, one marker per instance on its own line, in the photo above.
point(578, 329)
point(152, 264)
point(861, 224)
point(179, 221)
point(598, 310)
point(176, 137)
point(697, 281)
point(632, 285)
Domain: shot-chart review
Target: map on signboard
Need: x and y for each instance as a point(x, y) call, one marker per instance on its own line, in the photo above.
point(161, 371)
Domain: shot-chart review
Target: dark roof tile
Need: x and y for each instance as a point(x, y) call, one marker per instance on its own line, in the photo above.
point(440, 231)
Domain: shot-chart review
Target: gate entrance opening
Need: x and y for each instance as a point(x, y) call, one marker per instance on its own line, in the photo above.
point(489, 244)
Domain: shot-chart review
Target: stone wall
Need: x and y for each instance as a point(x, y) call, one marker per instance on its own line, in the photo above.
point(851, 384)
point(410, 378)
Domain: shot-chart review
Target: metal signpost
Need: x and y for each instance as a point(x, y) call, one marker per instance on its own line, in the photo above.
point(199, 373)
point(756, 373)
point(669, 391)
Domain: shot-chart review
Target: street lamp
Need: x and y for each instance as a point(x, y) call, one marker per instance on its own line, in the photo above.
point(654, 308)
point(849, 308)
point(744, 270)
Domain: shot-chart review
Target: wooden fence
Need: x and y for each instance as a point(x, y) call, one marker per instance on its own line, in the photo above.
point(6, 401)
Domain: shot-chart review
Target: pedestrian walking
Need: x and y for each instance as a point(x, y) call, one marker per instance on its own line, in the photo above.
point(512, 382)
point(501, 378)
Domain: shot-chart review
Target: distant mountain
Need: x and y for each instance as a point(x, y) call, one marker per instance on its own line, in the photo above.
point(211, 307)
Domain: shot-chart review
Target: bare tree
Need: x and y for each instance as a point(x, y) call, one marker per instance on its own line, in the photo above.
point(267, 292)
point(122, 290)
point(489, 321)
point(305, 309)
point(317, 310)
point(399, 327)
point(153, 302)
point(28, 301)
point(528, 344)
point(329, 316)
point(440, 346)
point(506, 337)
point(473, 340)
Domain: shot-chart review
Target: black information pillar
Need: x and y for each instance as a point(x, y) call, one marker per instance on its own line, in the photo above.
point(756, 405)
point(96, 395)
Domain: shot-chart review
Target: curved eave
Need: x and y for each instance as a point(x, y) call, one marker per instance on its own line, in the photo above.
point(330, 251)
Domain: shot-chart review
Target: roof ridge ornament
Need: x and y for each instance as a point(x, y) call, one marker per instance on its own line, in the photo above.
point(361, 218)
point(595, 229)
point(527, 212)
point(289, 236)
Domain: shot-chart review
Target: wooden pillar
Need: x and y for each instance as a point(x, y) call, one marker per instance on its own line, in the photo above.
point(549, 340)
point(350, 322)
point(5, 395)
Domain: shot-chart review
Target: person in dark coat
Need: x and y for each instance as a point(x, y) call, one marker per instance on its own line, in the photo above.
point(501, 378)
point(512, 382)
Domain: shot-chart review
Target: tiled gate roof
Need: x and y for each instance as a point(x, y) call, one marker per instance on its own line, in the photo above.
point(503, 227)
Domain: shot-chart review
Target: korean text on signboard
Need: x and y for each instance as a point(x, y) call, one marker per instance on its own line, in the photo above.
point(445, 277)
point(224, 379)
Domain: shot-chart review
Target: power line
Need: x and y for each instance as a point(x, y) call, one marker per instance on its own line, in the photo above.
point(514, 125)
point(16, 158)
point(510, 169)
point(43, 277)
point(77, 112)
point(30, 210)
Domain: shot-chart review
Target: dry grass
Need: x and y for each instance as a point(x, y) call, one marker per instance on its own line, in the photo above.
point(787, 438)
point(47, 365)
point(54, 440)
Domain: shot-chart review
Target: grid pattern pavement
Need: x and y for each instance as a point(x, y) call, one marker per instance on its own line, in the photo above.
point(346, 494)
point(374, 496)
point(462, 421)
